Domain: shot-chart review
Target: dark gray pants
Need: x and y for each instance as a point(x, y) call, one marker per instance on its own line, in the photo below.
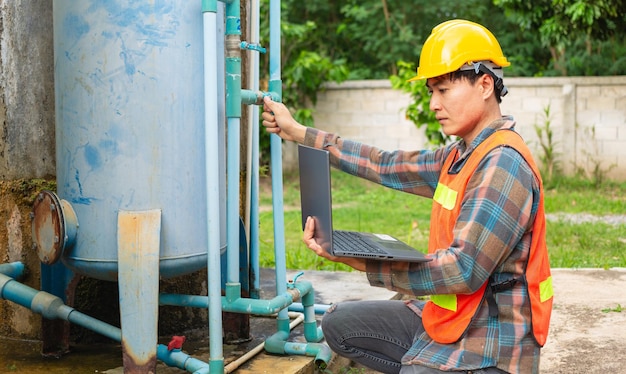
point(377, 334)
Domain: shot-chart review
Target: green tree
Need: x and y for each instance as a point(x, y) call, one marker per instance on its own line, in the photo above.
point(376, 34)
point(564, 26)
point(308, 57)
point(327, 40)
point(418, 110)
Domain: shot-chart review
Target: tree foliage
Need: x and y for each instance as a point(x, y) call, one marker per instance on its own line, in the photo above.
point(417, 111)
point(335, 40)
point(577, 32)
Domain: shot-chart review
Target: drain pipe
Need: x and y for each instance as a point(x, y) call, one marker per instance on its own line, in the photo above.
point(52, 307)
point(211, 141)
point(252, 177)
point(248, 306)
point(181, 360)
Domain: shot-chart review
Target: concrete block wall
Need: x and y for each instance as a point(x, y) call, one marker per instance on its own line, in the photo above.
point(587, 116)
point(370, 112)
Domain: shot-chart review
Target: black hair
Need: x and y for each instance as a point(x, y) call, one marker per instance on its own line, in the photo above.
point(472, 76)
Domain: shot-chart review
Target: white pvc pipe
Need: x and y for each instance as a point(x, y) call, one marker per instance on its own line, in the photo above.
point(252, 177)
point(212, 183)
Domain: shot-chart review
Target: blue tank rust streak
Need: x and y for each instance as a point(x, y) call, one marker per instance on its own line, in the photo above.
point(130, 132)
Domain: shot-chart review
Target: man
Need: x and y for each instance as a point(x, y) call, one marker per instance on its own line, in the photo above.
point(489, 279)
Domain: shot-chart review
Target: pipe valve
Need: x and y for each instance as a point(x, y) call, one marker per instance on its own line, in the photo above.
point(292, 282)
point(253, 47)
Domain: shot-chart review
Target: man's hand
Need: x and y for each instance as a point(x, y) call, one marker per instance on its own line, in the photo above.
point(309, 240)
point(278, 120)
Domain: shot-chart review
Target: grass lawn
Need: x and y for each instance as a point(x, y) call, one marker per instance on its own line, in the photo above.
point(365, 206)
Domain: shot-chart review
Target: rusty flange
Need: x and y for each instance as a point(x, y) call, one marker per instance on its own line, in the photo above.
point(54, 226)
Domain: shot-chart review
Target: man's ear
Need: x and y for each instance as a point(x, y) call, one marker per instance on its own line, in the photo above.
point(487, 85)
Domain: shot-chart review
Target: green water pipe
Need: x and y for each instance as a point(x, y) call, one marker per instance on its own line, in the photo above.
point(312, 332)
point(209, 6)
point(249, 97)
point(233, 302)
point(52, 307)
point(239, 305)
point(278, 344)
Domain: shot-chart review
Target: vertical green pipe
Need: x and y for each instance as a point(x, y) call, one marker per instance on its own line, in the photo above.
point(233, 60)
point(312, 332)
point(233, 114)
point(275, 86)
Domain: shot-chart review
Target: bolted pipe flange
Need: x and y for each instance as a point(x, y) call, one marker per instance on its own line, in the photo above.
point(54, 226)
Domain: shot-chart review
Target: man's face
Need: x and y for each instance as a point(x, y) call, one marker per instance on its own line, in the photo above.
point(458, 105)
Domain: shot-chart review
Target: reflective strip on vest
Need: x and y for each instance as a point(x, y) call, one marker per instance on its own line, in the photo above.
point(445, 301)
point(445, 196)
point(545, 289)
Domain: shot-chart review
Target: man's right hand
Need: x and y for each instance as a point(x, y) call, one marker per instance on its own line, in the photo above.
point(278, 120)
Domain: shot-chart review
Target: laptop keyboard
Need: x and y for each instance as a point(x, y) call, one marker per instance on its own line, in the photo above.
point(349, 241)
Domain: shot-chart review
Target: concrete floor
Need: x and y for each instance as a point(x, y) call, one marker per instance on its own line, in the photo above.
point(586, 333)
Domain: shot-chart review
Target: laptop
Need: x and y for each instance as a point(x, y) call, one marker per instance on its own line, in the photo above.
point(316, 201)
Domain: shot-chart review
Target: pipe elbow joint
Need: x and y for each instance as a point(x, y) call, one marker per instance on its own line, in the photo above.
point(323, 356)
point(276, 343)
point(306, 290)
point(320, 351)
point(312, 332)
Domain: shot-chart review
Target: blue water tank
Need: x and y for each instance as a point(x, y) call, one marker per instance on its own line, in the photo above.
point(130, 127)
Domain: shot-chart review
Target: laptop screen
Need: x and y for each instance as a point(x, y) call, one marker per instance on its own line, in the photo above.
point(315, 192)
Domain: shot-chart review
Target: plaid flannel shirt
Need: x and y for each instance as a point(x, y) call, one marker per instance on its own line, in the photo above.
point(504, 190)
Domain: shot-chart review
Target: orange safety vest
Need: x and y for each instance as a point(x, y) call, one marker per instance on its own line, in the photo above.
point(447, 317)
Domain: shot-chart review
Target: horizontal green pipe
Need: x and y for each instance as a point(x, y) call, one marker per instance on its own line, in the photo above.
point(256, 98)
point(233, 304)
point(240, 305)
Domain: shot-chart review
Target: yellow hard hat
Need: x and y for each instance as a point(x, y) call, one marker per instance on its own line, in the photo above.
point(455, 43)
